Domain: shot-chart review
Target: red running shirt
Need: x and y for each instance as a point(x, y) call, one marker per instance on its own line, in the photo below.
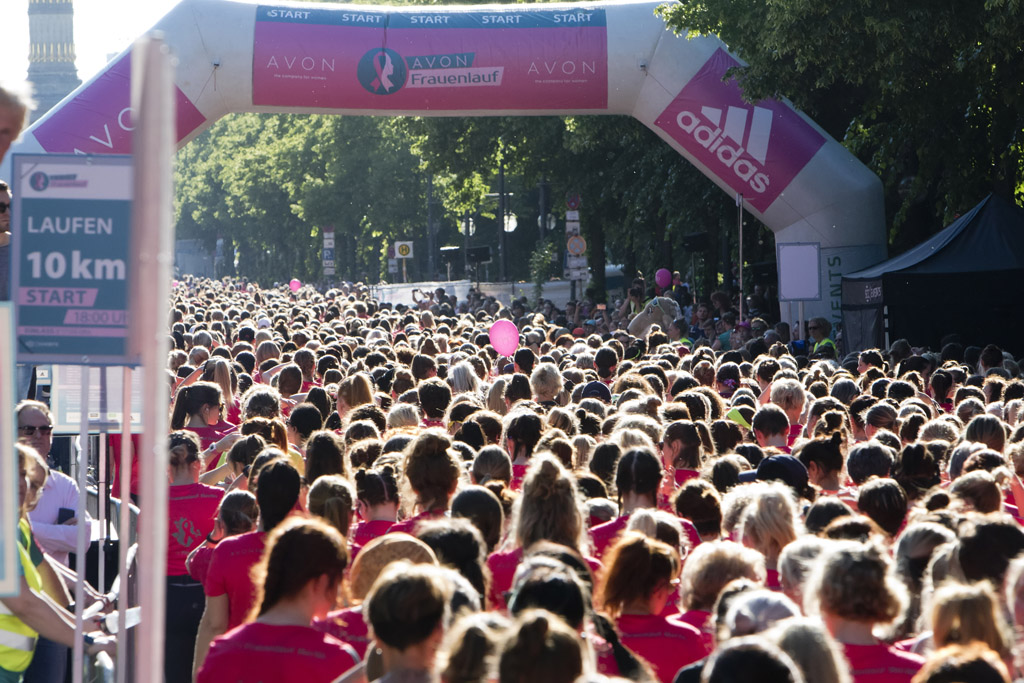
point(347, 625)
point(232, 560)
point(191, 512)
point(256, 652)
point(880, 663)
point(667, 645)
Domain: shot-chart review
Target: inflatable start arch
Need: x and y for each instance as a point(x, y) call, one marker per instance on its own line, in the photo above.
point(549, 59)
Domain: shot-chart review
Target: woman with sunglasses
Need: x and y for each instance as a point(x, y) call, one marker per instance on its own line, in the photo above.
point(199, 408)
point(54, 518)
point(641, 576)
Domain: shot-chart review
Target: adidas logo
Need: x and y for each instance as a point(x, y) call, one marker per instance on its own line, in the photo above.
point(709, 132)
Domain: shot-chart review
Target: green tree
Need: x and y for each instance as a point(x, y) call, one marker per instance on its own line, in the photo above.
point(928, 94)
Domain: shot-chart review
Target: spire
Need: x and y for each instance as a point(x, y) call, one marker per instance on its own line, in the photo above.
point(51, 52)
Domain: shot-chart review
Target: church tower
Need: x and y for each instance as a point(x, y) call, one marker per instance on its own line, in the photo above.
point(51, 58)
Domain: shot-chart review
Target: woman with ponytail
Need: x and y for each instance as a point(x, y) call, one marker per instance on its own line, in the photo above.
point(540, 648)
point(641, 575)
point(637, 478)
point(376, 505)
point(278, 642)
point(431, 475)
point(191, 508)
point(547, 510)
point(330, 498)
point(236, 515)
point(684, 447)
point(219, 371)
point(230, 590)
point(522, 431)
point(823, 458)
point(199, 408)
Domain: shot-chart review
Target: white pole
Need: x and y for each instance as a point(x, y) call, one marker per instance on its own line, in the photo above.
point(739, 221)
point(125, 521)
point(800, 321)
point(152, 257)
point(102, 485)
point(78, 659)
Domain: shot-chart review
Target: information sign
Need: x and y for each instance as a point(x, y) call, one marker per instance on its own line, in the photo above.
point(70, 256)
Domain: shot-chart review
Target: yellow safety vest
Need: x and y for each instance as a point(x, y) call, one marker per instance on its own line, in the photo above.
point(17, 640)
point(824, 342)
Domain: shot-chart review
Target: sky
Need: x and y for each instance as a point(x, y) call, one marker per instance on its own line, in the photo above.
point(103, 28)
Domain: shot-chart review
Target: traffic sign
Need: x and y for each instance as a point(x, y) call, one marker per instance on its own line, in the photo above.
point(403, 249)
point(576, 245)
point(572, 215)
point(576, 261)
point(392, 265)
point(573, 201)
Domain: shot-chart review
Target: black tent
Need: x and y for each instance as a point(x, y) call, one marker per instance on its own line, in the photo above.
point(964, 280)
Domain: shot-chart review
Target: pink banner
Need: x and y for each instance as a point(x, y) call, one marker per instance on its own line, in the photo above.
point(757, 149)
point(57, 296)
point(438, 61)
point(73, 331)
point(99, 118)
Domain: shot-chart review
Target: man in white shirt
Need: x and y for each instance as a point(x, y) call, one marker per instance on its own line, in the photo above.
point(56, 533)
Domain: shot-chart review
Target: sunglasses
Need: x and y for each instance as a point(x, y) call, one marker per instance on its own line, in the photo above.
point(30, 430)
point(4, 206)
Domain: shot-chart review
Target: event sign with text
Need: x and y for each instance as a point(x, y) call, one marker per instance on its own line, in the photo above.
point(450, 60)
point(72, 229)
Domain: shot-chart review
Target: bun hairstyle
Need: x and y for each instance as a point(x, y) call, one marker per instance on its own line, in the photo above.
point(191, 399)
point(376, 486)
point(827, 452)
point(833, 422)
point(639, 472)
point(469, 647)
point(184, 449)
point(540, 649)
point(547, 508)
point(238, 512)
point(431, 470)
point(330, 497)
point(245, 450)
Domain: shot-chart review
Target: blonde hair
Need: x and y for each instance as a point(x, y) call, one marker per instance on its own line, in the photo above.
point(964, 613)
point(546, 380)
point(548, 509)
point(787, 394)
point(855, 581)
point(796, 561)
point(711, 566)
point(462, 378)
point(770, 522)
point(331, 497)
point(403, 415)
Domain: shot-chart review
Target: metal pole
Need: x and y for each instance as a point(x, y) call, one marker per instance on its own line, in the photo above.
point(501, 213)
point(125, 521)
point(102, 492)
point(739, 221)
point(543, 210)
point(465, 245)
point(431, 247)
point(78, 657)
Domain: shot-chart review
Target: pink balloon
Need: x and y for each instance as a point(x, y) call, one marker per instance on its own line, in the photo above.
point(663, 278)
point(504, 336)
point(294, 285)
point(174, 284)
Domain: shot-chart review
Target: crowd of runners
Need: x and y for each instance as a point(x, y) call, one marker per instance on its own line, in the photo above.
point(367, 491)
